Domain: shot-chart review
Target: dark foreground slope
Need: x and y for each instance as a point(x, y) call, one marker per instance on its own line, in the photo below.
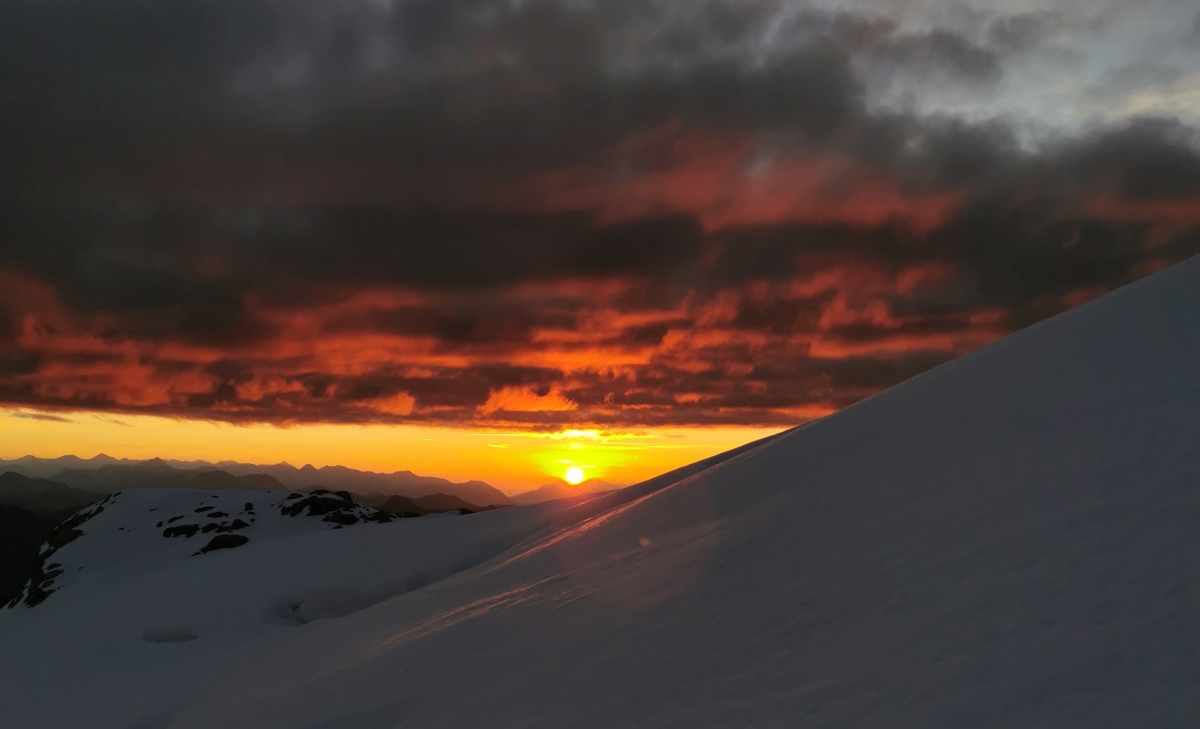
point(1007, 541)
point(21, 534)
point(30, 508)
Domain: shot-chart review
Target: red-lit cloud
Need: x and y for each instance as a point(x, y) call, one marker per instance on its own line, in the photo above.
point(535, 216)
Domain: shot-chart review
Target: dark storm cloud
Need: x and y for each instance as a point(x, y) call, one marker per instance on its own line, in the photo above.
point(1025, 32)
point(483, 322)
point(106, 76)
point(194, 97)
point(149, 264)
point(942, 50)
point(8, 327)
point(24, 364)
point(435, 250)
point(1151, 158)
point(183, 271)
point(1193, 36)
point(875, 40)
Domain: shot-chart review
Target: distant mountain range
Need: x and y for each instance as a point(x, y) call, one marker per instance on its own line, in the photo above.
point(423, 505)
point(46, 467)
point(564, 490)
point(104, 474)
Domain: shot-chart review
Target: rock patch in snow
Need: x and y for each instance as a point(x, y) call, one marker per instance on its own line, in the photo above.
point(224, 541)
point(336, 508)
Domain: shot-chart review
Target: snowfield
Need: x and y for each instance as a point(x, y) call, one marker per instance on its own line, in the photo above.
point(1010, 540)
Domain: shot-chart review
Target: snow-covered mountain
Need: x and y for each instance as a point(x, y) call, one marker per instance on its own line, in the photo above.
point(1009, 540)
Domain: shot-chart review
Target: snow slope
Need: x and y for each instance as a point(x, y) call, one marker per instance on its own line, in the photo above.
point(1010, 540)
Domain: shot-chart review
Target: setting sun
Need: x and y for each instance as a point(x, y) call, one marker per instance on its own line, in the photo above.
point(574, 475)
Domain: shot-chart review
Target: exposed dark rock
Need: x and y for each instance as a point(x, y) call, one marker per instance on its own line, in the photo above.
point(337, 508)
point(174, 518)
point(203, 509)
point(217, 515)
point(183, 530)
point(316, 504)
point(62, 536)
point(224, 541)
point(234, 526)
point(341, 517)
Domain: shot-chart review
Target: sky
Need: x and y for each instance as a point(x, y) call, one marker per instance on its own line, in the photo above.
point(328, 230)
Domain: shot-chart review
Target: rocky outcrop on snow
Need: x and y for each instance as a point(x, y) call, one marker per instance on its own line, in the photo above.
point(218, 520)
point(336, 508)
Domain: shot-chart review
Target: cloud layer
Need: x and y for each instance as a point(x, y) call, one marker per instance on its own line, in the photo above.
point(544, 213)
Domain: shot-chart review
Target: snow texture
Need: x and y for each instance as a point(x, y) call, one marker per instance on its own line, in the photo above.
point(1010, 540)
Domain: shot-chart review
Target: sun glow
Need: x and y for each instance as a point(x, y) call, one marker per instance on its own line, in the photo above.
point(574, 475)
point(511, 461)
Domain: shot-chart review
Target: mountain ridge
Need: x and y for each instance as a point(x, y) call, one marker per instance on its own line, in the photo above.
point(104, 474)
point(564, 490)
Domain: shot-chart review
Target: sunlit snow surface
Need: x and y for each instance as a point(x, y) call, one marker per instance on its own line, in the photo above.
point(1012, 540)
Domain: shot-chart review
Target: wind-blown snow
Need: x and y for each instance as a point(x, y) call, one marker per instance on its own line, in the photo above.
point(1012, 539)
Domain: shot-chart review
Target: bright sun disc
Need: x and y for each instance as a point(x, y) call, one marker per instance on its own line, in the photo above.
point(574, 475)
